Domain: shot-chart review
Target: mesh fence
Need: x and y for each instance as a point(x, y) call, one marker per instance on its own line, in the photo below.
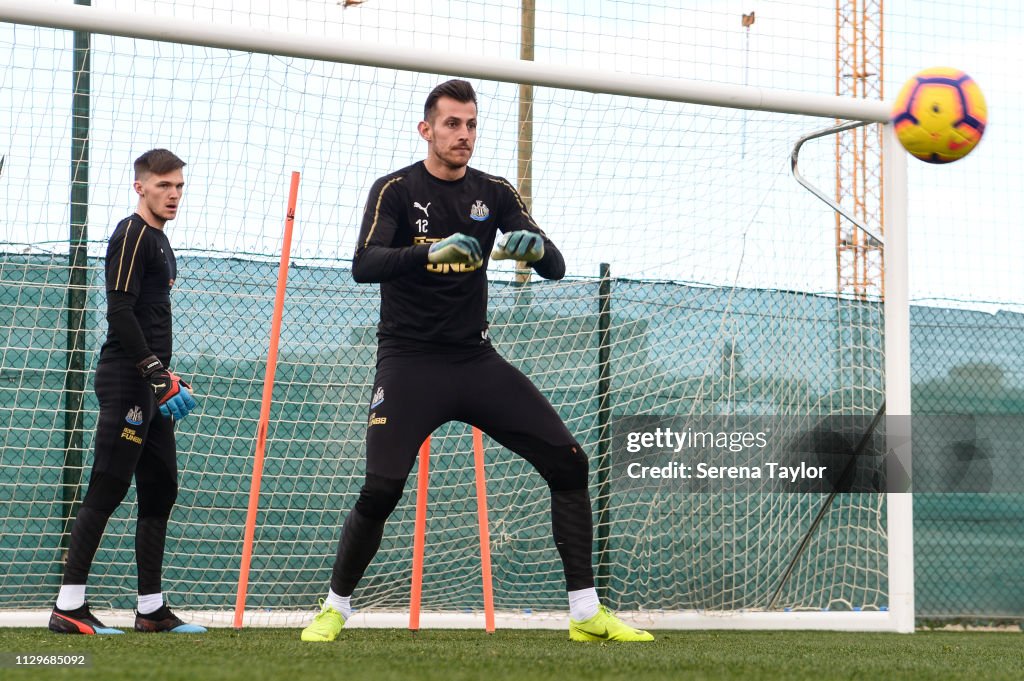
point(666, 550)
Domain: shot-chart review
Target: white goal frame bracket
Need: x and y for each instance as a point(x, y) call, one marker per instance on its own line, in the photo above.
point(793, 163)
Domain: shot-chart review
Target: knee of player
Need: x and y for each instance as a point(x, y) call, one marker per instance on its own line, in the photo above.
point(569, 469)
point(157, 500)
point(379, 496)
point(105, 493)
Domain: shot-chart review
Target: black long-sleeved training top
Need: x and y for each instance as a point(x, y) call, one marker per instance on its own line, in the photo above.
point(140, 271)
point(409, 210)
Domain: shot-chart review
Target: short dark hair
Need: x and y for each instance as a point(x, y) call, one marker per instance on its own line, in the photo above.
point(157, 162)
point(459, 90)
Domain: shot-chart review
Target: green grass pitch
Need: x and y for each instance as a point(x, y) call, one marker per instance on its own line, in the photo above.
point(449, 655)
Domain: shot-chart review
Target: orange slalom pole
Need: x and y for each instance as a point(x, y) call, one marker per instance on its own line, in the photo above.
point(419, 535)
point(264, 422)
point(485, 535)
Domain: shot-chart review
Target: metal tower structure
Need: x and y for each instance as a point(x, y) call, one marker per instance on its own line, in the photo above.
point(859, 258)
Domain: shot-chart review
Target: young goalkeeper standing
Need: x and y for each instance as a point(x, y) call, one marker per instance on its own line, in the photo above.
point(426, 235)
point(139, 401)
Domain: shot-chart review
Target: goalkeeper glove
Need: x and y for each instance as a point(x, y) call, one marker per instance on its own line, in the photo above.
point(457, 248)
point(173, 395)
point(520, 245)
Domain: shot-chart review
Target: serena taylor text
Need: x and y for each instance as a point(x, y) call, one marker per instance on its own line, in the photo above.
point(770, 470)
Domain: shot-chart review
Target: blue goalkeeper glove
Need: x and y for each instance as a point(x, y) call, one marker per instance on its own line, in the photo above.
point(458, 248)
point(521, 245)
point(173, 395)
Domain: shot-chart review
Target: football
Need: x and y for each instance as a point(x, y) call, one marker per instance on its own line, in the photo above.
point(940, 115)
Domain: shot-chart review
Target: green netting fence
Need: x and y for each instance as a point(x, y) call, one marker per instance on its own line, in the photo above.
point(671, 347)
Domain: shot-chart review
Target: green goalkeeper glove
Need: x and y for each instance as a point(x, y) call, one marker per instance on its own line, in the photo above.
point(457, 248)
point(521, 245)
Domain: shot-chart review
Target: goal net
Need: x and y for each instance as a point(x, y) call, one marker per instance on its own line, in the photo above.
point(719, 299)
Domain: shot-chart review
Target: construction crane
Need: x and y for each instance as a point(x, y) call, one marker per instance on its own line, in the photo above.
point(859, 258)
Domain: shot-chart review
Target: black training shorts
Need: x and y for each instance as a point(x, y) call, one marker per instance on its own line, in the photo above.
point(132, 436)
point(418, 389)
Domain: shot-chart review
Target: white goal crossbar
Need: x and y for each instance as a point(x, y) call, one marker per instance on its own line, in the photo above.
point(107, 22)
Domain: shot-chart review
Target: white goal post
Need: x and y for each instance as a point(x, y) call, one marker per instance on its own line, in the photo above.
point(897, 610)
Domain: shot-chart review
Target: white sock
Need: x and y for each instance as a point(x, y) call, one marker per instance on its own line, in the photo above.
point(583, 604)
point(342, 604)
point(150, 603)
point(71, 596)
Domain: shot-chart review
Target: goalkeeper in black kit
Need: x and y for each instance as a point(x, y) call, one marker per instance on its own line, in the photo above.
point(139, 401)
point(426, 236)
